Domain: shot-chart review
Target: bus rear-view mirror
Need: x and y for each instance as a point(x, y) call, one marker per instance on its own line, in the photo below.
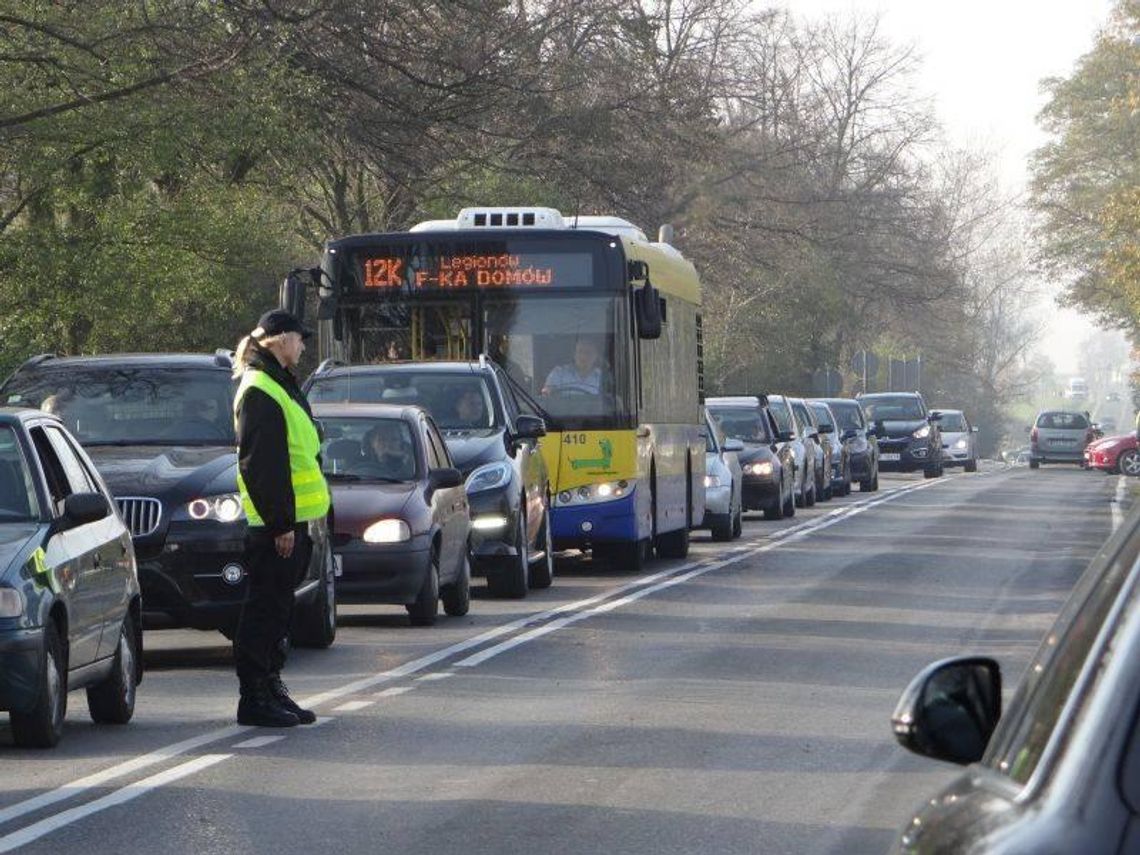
point(647, 308)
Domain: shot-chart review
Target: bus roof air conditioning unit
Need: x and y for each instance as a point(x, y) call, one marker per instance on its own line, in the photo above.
point(509, 218)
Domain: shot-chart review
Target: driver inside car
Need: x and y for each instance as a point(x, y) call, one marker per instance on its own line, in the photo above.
point(582, 377)
point(384, 448)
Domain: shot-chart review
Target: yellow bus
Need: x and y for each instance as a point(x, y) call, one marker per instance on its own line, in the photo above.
point(598, 329)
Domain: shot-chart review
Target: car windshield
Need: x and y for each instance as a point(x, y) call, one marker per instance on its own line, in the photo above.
point(746, 425)
point(132, 404)
point(803, 416)
point(895, 408)
point(17, 490)
point(1062, 421)
point(457, 400)
point(782, 414)
point(822, 415)
point(848, 414)
point(953, 423)
point(368, 449)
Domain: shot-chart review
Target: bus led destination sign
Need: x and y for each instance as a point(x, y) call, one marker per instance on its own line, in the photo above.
point(475, 270)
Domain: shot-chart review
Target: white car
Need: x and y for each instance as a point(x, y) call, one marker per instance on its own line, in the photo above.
point(724, 506)
point(959, 440)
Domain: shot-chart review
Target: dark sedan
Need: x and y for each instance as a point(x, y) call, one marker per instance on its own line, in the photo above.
point(160, 429)
point(1059, 771)
point(401, 522)
point(493, 443)
point(69, 590)
point(908, 433)
point(859, 437)
point(768, 464)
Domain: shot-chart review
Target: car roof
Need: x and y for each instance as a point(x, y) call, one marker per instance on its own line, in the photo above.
point(945, 410)
point(830, 401)
point(889, 395)
point(733, 401)
point(221, 360)
point(374, 411)
point(13, 415)
point(421, 366)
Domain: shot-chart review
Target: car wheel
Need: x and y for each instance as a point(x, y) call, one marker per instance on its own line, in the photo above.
point(542, 571)
point(738, 523)
point(42, 727)
point(1034, 464)
point(809, 499)
point(724, 531)
point(314, 625)
point(510, 579)
point(113, 700)
point(790, 503)
point(1129, 463)
point(456, 597)
point(425, 609)
point(775, 511)
point(971, 465)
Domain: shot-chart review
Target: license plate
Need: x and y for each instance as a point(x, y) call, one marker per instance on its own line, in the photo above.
point(890, 458)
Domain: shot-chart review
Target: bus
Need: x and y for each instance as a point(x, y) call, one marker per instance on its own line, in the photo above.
point(597, 328)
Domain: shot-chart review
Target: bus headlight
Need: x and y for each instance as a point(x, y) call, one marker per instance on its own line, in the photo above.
point(490, 476)
point(604, 492)
point(224, 508)
point(387, 531)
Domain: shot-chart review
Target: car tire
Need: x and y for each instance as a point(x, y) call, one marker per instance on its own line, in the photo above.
point(775, 511)
point(42, 727)
point(930, 472)
point(722, 532)
point(510, 579)
point(113, 700)
point(1129, 463)
point(1034, 464)
point(425, 609)
point(809, 499)
point(542, 571)
point(314, 625)
point(738, 523)
point(790, 503)
point(456, 597)
point(971, 465)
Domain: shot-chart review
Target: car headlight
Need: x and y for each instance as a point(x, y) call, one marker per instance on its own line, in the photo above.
point(11, 603)
point(223, 508)
point(490, 476)
point(712, 481)
point(961, 445)
point(603, 492)
point(387, 531)
point(764, 468)
point(922, 433)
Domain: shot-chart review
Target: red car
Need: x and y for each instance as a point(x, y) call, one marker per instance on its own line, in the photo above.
point(1114, 454)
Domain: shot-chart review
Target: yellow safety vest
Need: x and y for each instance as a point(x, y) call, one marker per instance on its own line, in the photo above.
point(310, 491)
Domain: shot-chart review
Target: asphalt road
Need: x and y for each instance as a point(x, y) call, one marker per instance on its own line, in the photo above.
point(735, 702)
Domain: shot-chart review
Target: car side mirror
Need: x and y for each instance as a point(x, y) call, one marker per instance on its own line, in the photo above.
point(880, 429)
point(444, 479)
point(785, 436)
point(950, 710)
point(826, 429)
point(82, 508)
point(733, 445)
point(529, 427)
point(850, 433)
point(935, 417)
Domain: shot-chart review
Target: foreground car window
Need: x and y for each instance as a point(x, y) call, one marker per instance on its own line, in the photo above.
point(460, 401)
point(17, 491)
point(369, 449)
point(133, 405)
point(1019, 744)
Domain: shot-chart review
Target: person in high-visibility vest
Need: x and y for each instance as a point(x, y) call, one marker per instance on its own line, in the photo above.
point(282, 490)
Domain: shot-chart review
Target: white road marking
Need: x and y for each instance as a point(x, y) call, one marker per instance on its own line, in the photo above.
point(393, 692)
point(259, 742)
point(1117, 504)
point(439, 675)
point(125, 794)
point(353, 706)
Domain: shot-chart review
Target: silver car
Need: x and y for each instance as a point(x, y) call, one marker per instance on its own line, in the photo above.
point(1059, 436)
point(959, 440)
point(724, 506)
point(794, 435)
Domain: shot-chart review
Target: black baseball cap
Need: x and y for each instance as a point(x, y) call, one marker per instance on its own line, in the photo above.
point(278, 321)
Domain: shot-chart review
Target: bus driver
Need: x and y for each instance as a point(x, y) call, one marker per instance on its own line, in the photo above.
point(582, 377)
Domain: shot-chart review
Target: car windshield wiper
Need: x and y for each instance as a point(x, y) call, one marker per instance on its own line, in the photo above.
point(204, 443)
point(341, 476)
point(538, 408)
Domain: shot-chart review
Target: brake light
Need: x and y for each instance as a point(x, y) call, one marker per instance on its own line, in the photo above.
point(1033, 436)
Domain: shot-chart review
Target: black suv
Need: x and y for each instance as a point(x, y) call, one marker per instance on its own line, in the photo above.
point(908, 432)
point(160, 429)
point(492, 442)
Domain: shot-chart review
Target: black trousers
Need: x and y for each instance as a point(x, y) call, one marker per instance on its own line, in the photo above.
point(261, 642)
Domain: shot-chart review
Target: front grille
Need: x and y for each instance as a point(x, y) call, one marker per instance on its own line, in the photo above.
point(141, 514)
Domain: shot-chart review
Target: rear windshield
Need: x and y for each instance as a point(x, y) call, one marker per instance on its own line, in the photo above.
point(1062, 421)
point(133, 405)
point(458, 401)
point(743, 424)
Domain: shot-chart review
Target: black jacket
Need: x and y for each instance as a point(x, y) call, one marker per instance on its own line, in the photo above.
point(263, 446)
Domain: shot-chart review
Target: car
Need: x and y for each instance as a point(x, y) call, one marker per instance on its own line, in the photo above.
point(793, 434)
point(1077, 390)
point(724, 502)
point(70, 603)
point(959, 440)
point(908, 434)
point(400, 532)
point(493, 442)
point(839, 471)
point(805, 416)
point(1116, 455)
point(1059, 769)
point(1059, 436)
point(859, 437)
point(1112, 397)
point(160, 429)
point(767, 463)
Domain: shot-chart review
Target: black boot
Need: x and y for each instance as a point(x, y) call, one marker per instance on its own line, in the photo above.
point(258, 707)
point(280, 693)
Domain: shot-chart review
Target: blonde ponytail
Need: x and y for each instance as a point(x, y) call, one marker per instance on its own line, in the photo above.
point(243, 353)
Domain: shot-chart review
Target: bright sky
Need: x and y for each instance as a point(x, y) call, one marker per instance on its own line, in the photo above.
point(982, 61)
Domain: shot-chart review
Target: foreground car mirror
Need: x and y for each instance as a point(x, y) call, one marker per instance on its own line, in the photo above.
point(850, 433)
point(826, 429)
point(950, 710)
point(82, 508)
point(444, 479)
point(733, 445)
point(785, 436)
point(529, 427)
